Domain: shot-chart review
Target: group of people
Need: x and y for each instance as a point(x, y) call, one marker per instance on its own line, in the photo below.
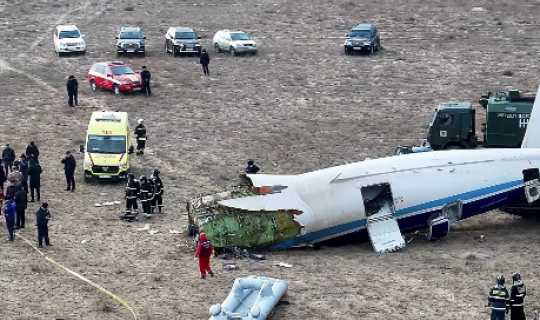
point(503, 302)
point(24, 172)
point(148, 191)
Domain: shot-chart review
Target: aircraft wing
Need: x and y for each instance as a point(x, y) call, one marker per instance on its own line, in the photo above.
point(269, 202)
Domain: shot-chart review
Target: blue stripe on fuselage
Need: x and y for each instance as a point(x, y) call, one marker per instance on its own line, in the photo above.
point(415, 221)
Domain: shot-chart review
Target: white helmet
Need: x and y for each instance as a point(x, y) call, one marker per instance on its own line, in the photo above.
point(140, 121)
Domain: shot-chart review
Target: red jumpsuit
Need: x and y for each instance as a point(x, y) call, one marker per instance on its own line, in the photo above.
point(204, 252)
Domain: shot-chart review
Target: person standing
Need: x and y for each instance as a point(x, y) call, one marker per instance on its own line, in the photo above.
point(32, 151)
point(42, 222)
point(141, 136)
point(23, 168)
point(252, 168)
point(73, 91)
point(3, 177)
point(132, 192)
point(10, 211)
point(517, 298)
point(158, 191)
point(8, 156)
point(498, 300)
point(34, 173)
point(204, 252)
point(145, 77)
point(145, 196)
point(205, 60)
point(15, 175)
point(11, 190)
point(21, 200)
point(69, 170)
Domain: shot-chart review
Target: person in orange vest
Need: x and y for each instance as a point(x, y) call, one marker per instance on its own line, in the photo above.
point(205, 249)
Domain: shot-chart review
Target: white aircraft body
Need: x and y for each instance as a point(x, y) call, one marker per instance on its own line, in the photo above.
point(384, 197)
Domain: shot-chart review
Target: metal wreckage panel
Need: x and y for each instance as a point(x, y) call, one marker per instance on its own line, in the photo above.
point(227, 226)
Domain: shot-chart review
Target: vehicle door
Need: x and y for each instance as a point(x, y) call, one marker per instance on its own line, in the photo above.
point(227, 41)
point(220, 39)
point(105, 72)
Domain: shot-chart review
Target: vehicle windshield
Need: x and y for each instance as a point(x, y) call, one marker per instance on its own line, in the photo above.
point(130, 35)
point(69, 34)
point(360, 34)
point(120, 70)
point(239, 36)
point(106, 144)
point(185, 35)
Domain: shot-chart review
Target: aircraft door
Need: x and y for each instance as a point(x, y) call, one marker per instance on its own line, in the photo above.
point(532, 184)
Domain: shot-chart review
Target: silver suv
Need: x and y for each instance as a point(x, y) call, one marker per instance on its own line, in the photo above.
point(130, 39)
point(182, 40)
point(234, 42)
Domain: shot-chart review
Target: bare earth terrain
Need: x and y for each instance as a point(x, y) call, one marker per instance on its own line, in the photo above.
point(298, 106)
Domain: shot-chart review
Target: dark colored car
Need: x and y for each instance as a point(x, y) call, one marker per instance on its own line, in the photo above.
point(362, 37)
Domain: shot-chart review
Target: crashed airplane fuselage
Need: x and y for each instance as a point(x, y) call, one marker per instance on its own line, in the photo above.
point(380, 198)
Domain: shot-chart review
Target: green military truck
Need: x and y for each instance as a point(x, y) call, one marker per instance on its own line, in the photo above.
point(453, 125)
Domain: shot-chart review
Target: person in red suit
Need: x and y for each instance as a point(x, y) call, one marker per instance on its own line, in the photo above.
point(204, 252)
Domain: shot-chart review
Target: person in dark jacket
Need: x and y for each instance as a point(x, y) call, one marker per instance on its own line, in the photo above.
point(145, 195)
point(141, 136)
point(517, 298)
point(72, 90)
point(10, 211)
point(8, 156)
point(69, 169)
point(32, 151)
point(23, 168)
point(145, 77)
point(133, 189)
point(11, 190)
point(498, 300)
point(251, 167)
point(204, 252)
point(158, 189)
point(21, 200)
point(3, 177)
point(42, 220)
point(205, 60)
point(34, 174)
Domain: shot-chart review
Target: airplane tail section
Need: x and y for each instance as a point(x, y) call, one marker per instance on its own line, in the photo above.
point(532, 133)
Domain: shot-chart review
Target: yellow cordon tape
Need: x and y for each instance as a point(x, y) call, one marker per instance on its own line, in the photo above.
point(107, 292)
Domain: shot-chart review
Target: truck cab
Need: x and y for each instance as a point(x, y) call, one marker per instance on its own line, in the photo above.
point(108, 147)
point(453, 127)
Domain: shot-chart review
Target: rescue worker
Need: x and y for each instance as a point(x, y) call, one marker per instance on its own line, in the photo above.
point(498, 300)
point(140, 135)
point(8, 156)
point(204, 59)
point(146, 196)
point(157, 199)
point(21, 200)
point(23, 168)
point(145, 77)
point(69, 170)
point(132, 191)
point(34, 174)
point(251, 167)
point(15, 175)
point(10, 211)
point(42, 220)
point(204, 252)
point(32, 151)
point(517, 297)
point(72, 90)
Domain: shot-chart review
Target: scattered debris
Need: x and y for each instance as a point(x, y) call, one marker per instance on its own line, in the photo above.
point(283, 264)
point(153, 231)
point(83, 241)
point(479, 9)
point(175, 232)
point(480, 237)
point(146, 227)
point(107, 203)
point(230, 266)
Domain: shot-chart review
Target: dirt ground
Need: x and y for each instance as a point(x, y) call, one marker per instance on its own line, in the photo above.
point(299, 105)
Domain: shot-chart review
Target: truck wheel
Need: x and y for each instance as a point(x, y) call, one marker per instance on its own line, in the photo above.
point(173, 50)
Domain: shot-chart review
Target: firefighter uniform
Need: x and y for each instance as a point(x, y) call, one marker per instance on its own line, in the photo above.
point(140, 135)
point(145, 195)
point(157, 199)
point(132, 191)
point(498, 300)
point(517, 297)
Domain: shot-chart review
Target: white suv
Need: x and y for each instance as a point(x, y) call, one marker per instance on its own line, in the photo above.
point(234, 42)
point(68, 38)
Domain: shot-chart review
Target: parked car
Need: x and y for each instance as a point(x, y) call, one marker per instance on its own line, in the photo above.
point(116, 76)
point(182, 40)
point(130, 39)
point(362, 37)
point(68, 38)
point(234, 42)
